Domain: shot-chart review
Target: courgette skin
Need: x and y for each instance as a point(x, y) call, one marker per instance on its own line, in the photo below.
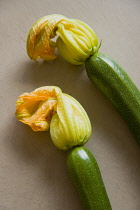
point(116, 85)
point(87, 179)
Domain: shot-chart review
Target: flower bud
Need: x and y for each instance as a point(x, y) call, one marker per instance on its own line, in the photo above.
point(70, 126)
point(49, 107)
point(76, 41)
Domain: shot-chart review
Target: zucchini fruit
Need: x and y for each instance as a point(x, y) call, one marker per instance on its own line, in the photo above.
point(87, 179)
point(117, 86)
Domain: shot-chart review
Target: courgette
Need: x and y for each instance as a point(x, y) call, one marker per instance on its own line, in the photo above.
point(112, 80)
point(87, 179)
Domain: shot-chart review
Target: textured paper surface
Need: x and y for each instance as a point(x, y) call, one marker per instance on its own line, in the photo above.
point(33, 173)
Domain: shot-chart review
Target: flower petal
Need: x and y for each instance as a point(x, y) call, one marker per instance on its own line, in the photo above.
point(39, 44)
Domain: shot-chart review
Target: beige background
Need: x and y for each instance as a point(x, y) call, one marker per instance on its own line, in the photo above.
point(33, 172)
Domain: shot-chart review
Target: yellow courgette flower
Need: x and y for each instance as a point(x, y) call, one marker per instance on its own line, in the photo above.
point(76, 41)
point(47, 107)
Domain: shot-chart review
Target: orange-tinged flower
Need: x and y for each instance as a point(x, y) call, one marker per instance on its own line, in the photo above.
point(47, 107)
point(76, 41)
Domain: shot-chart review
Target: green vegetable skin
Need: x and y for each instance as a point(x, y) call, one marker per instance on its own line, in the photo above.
point(116, 85)
point(87, 179)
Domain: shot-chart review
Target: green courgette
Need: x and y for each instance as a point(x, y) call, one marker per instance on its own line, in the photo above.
point(116, 85)
point(87, 179)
